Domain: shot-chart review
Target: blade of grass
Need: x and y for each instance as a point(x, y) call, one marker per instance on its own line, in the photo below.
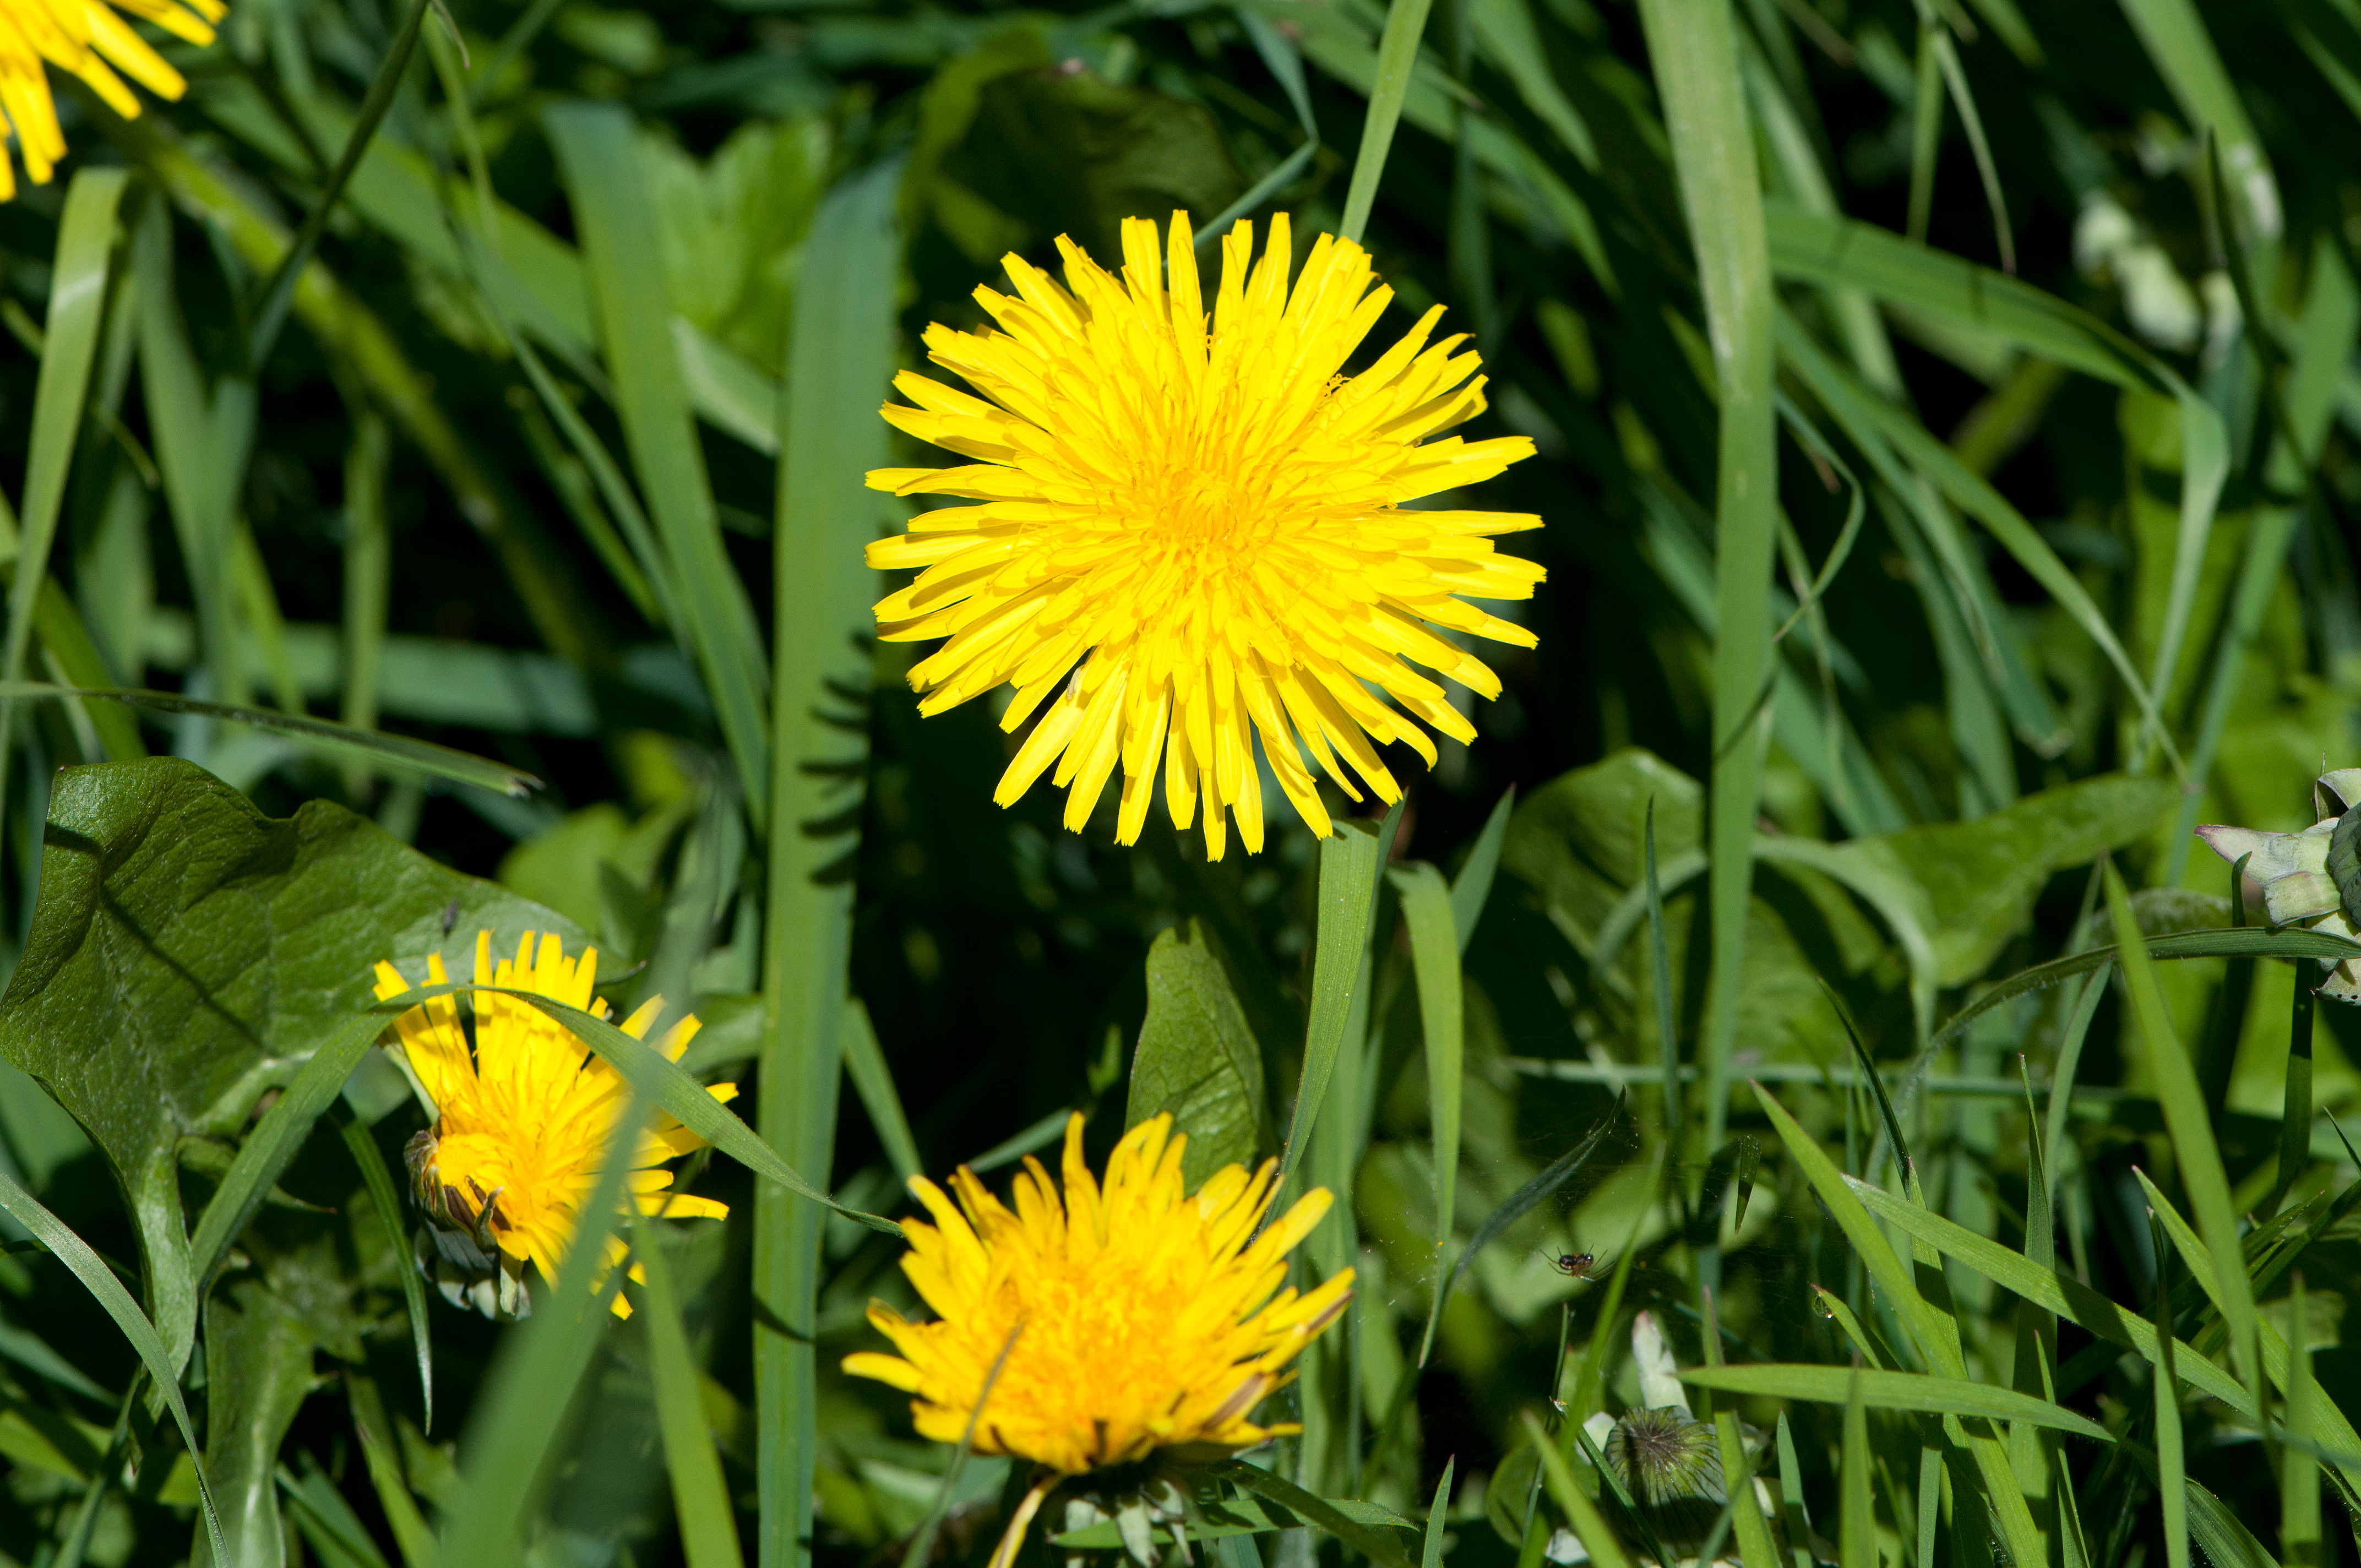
point(2171, 1463)
point(1434, 956)
point(1473, 885)
point(380, 1453)
point(1516, 1207)
point(2226, 1542)
point(1589, 1526)
point(1370, 1541)
point(2176, 42)
point(599, 153)
point(1397, 57)
point(266, 627)
point(268, 1149)
point(1693, 47)
point(277, 295)
point(873, 1080)
point(78, 292)
point(99, 1280)
point(1793, 1516)
point(378, 1180)
point(368, 568)
point(531, 1382)
point(2069, 1062)
point(841, 358)
point(922, 1539)
point(1925, 131)
point(2230, 942)
point(335, 739)
point(708, 1526)
point(1659, 970)
point(2295, 1106)
point(1429, 1555)
point(1349, 862)
point(2189, 1122)
point(1947, 58)
point(1857, 1520)
point(1893, 1391)
point(1743, 1509)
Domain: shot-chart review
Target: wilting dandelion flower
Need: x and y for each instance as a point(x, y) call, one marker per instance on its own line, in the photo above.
point(1127, 1320)
point(2310, 879)
point(522, 1124)
point(1195, 536)
point(86, 38)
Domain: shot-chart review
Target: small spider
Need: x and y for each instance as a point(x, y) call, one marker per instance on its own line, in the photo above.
point(1576, 1265)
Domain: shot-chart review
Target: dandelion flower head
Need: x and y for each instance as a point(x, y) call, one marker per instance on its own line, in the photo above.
point(87, 39)
point(1144, 1320)
point(1193, 533)
point(523, 1121)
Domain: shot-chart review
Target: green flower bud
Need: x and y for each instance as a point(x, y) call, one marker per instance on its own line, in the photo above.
point(2310, 879)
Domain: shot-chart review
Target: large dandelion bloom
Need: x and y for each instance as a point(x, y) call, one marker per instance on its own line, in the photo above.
point(1192, 537)
point(1136, 1320)
point(522, 1123)
point(84, 38)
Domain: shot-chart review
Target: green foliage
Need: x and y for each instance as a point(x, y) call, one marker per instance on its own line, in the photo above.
point(1946, 443)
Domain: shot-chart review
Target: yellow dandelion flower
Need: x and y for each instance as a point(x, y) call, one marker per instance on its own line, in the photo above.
point(1194, 537)
point(1144, 1321)
point(86, 38)
point(523, 1122)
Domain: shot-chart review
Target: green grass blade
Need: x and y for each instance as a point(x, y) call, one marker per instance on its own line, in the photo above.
point(267, 1149)
point(1370, 1541)
point(77, 295)
point(337, 740)
point(2056, 1292)
point(2184, 56)
point(368, 569)
point(1893, 1391)
point(663, 1082)
point(1743, 1508)
point(1589, 1525)
point(380, 1451)
point(2295, 1109)
point(2301, 1541)
point(1926, 132)
point(2171, 1461)
point(2069, 1062)
point(327, 1522)
point(1516, 1207)
point(1430, 1553)
point(2226, 1542)
point(2227, 942)
point(1434, 956)
point(2189, 1122)
point(1947, 58)
point(1473, 886)
point(873, 1080)
point(99, 1280)
point(1660, 972)
point(841, 360)
point(1397, 58)
point(1843, 1199)
point(1798, 1522)
point(278, 294)
point(1349, 863)
point(258, 604)
point(700, 1500)
point(1693, 46)
point(382, 1192)
point(531, 1382)
point(1857, 1518)
point(598, 153)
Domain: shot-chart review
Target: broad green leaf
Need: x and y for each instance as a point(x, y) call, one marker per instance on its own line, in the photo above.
point(260, 1328)
point(1197, 1060)
point(1893, 1391)
point(189, 955)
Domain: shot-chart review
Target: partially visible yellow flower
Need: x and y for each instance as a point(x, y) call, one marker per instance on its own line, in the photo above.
point(84, 38)
point(1137, 1320)
point(523, 1122)
point(1192, 538)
